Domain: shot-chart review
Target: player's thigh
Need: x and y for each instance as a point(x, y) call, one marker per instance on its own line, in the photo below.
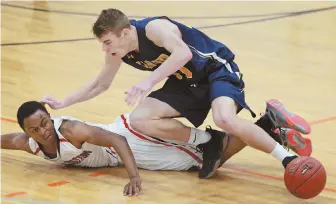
point(152, 108)
point(176, 99)
point(226, 94)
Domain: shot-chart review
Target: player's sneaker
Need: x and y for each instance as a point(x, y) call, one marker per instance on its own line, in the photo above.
point(212, 151)
point(293, 140)
point(281, 117)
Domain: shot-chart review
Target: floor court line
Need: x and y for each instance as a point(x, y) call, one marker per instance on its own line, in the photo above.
point(31, 201)
point(10, 195)
point(287, 15)
point(173, 17)
point(58, 183)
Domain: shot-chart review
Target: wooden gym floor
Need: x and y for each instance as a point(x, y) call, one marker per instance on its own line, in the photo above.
point(286, 50)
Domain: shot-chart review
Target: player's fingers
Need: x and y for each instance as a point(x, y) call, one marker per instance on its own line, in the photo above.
point(126, 189)
point(48, 98)
point(133, 91)
point(139, 186)
point(129, 91)
point(131, 96)
point(136, 96)
point(142, 97)
point(139, 96)
point(138, 92)
point(135, 189)
point(134, 100)
point(130, 188)
point(126, 97)
point(129, 100)
point(43, 101)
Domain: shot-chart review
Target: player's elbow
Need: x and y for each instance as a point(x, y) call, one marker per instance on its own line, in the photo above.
point(120, 141)
point(186, 54)
point(101, 87)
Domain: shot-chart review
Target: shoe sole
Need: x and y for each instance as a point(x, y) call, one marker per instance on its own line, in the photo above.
point(302, 145)
point(218, 162)
point(283, 116)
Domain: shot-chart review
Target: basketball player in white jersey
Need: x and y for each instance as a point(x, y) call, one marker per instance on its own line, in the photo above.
point(69, 141)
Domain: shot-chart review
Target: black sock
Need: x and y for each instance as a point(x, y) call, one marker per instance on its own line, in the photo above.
point(266, 124)
point(287, 160)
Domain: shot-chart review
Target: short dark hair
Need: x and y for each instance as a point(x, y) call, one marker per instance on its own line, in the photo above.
point(112, 20)
point(27, 109)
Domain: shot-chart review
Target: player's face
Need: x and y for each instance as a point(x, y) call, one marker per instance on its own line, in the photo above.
point(40, 127)
point(116, 45)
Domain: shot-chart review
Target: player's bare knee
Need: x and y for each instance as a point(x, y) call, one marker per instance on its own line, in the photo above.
point(136, 120)
point(225, 122)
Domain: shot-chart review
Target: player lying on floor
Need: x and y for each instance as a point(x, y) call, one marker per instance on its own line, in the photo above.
point(69, 141)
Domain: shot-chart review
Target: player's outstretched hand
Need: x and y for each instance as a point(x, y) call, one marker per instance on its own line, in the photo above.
point(138, 92)
point(52, 102)
point(133, 187)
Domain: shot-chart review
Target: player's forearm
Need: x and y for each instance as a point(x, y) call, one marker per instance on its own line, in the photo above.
point(175, 61)
point(105, 138)
point(124, 151)
point(89, 91)
point(8, 141)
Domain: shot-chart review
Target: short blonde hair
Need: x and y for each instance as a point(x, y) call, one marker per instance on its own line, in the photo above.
point(110, 20)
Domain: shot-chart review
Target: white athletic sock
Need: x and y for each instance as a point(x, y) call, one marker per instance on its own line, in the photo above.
point(280, 153)
point(198, 136)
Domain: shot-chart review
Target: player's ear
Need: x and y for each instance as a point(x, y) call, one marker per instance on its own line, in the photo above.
point(125, 32)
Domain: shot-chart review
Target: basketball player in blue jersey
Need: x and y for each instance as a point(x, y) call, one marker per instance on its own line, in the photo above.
point(202, 75)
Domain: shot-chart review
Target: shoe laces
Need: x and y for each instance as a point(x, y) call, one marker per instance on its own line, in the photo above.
point(284, 139)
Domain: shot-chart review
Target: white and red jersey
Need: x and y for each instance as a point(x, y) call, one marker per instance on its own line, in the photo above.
point(149, 152)
point(88, 156)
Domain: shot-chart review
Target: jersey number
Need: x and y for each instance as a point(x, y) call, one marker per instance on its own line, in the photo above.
point(185, 71)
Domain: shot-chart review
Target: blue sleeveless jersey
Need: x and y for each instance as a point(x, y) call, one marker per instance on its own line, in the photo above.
point(206, 52)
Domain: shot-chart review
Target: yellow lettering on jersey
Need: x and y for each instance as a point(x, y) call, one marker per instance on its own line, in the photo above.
point(178, 76)
point(142, 64)
point(150, 65)
point(158, 61)
point(186, 72)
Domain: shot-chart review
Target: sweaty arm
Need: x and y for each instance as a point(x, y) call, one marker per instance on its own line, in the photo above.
point(97, 85)
point(16, 141)
point(165, 34)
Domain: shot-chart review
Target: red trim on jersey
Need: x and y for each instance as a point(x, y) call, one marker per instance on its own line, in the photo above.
point(192, 154)
point(63, 140)
point(110, 148)
point(37, 150)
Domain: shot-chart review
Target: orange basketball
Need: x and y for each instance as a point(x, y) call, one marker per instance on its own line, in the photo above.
point(305, 177)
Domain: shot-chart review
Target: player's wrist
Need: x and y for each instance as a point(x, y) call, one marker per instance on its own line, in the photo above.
point(152, 79)
point(134, 175)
